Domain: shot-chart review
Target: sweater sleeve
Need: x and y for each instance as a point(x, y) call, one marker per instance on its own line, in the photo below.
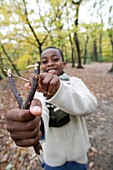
point(74, 98)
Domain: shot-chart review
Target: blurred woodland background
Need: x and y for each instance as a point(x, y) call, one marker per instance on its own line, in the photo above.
point(83, 30)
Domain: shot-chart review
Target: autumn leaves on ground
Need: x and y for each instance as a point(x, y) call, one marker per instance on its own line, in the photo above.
point(100, 123)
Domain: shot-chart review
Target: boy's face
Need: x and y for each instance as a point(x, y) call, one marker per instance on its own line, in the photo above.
point(52, 62)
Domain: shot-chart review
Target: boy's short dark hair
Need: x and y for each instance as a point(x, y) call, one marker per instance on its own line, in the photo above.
point(56, 49)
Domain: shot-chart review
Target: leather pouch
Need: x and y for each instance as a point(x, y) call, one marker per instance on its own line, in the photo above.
point(58, 118)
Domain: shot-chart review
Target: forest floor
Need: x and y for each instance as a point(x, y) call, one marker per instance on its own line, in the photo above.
point(100, 123)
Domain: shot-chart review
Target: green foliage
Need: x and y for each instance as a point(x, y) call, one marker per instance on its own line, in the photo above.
point(23, 61)
point(107, 50)
point(52, 26)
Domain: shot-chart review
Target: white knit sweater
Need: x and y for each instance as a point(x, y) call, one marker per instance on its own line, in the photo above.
point(69, 142)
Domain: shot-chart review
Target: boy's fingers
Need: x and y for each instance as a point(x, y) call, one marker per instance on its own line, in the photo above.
point(49, 83)
point(16, 126)
point(25, 115)
point(45, 80)
point(26, 134)
point(29, 142)
point(19, 115)
point(53, 86)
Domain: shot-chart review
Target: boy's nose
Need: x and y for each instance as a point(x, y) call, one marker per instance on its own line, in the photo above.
point(50, 64)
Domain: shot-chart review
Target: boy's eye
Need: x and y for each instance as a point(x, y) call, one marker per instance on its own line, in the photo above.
point(44, 61)
point(56, 59)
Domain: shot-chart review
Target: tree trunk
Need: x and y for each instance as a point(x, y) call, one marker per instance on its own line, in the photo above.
point(77, 4)
point(111, 70)
point(78, 50)
point(2, 67)
point(85, 50)
point(72, 51)
point(100, 48)
point(40, 44)
point(95, 50)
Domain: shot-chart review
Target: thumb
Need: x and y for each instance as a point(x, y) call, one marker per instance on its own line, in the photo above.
point(36, 107)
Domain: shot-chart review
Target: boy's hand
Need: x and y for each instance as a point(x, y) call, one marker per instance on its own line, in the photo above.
point(23, 126)
point(48, 84)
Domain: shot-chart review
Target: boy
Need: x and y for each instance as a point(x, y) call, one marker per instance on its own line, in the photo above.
point(62, 102)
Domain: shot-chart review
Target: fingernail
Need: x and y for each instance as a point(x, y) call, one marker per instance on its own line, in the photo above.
point(36, 109)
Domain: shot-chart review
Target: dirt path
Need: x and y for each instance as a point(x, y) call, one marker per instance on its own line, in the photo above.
point(100, 124)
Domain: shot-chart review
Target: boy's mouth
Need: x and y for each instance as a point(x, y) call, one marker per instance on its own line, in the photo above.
point(52, 71)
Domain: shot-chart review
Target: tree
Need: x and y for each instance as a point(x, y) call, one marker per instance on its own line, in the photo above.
point(110, 32)
point(26, 30)
point(40, 43)
point(85, 46)
point(2, 67)
point(70, 34)
point(9, 59)
point(101, 26)
point(77, 6)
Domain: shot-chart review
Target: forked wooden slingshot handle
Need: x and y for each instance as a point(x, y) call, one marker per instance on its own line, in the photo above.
point(26, 104)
